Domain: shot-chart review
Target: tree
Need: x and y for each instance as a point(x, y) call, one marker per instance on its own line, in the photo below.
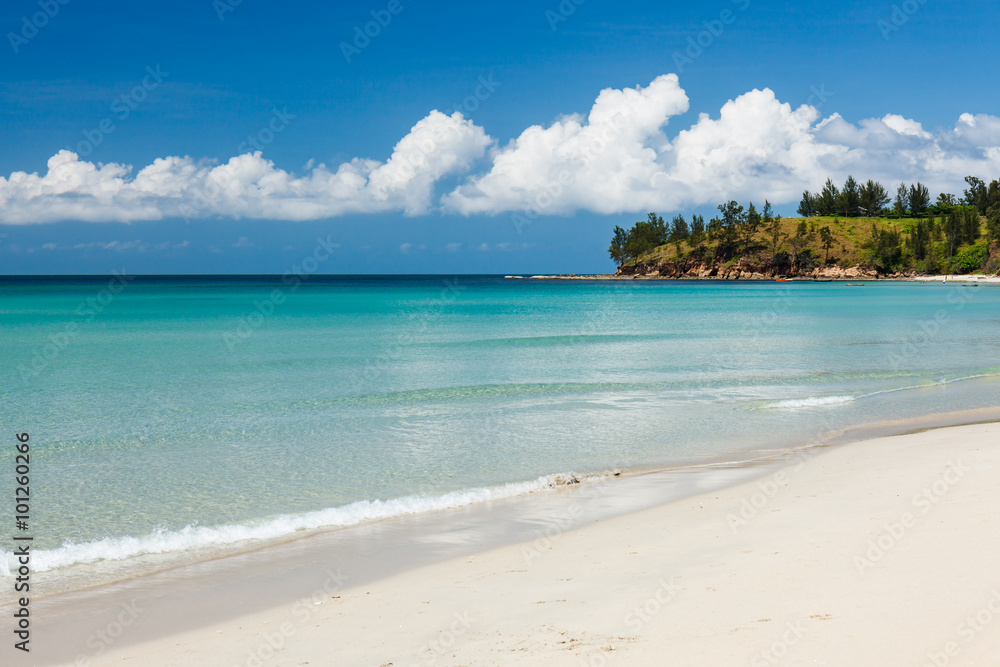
point(884, 251)
point(773, 229)
point(617, 248)
point(827, 201)
point(992, 196)
point(951, 226)
point(850, 198)
point(976, 194)
point(826, 238)
point(714, 229)
point(752, 223)
point(902, 204)
point(646, 235)
point(807, 207)
point(945, 201)
point(730, 225)
point(970, 224)
point(920, 238)
point(799, 241)
point(679, 230)
point(993, 222)
point(697, 229)
point(873, 197)
point(919, 198)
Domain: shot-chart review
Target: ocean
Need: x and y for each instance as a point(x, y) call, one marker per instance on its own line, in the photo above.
point(174, 418)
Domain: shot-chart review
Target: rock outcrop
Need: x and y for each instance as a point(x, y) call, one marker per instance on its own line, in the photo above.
point(745, 269)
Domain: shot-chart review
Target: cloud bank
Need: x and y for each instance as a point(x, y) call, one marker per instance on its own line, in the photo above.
point(618, 158)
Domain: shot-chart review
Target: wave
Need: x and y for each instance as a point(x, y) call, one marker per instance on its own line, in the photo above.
point(163, 541)
point(820, 401)
point(811, 402)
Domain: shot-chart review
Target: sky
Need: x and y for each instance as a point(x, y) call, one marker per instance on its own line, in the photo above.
point(402, 136)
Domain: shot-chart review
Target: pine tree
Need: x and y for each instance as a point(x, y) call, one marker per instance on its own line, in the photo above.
point(827, 203)
point(902, 204)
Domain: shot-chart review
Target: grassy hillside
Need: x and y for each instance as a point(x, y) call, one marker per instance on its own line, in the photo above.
point(849, 238)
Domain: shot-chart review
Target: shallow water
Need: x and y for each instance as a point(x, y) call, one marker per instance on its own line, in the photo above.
point(172, 414)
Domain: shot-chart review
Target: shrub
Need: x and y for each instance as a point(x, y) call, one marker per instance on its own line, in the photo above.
point(971, 259)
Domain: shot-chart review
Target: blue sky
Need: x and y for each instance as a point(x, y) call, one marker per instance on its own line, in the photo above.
point(131, 83)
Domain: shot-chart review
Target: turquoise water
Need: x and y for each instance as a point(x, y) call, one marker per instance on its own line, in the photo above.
point(170, 414)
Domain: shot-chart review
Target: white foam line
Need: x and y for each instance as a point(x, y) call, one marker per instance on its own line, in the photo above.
point(193, 537)
point(812, 402)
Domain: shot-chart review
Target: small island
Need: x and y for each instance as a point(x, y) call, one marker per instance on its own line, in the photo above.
point(842, 234)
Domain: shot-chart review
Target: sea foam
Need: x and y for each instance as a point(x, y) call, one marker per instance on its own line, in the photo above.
point(162, 541)
point(811, 402)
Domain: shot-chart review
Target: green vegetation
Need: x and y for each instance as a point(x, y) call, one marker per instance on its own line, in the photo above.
point(858, 224)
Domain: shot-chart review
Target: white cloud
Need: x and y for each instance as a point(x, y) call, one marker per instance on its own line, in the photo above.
point(617, 158)
point(594, 163)
point(247, 186)
point(755, 148)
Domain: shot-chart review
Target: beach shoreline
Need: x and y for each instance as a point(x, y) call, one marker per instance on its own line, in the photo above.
point(551, 525)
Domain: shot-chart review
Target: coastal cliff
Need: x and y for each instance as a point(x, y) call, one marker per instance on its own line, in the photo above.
point(745, 269)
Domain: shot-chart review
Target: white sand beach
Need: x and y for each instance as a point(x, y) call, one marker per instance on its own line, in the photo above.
point(881, 552)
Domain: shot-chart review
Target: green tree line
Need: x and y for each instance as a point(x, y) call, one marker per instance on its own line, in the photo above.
point(932, 239)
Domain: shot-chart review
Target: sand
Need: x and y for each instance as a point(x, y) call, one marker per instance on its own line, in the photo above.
point(882, 552)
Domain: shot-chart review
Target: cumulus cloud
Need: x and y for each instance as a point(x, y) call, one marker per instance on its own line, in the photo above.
point(617, 158)
point(756, 148)
point(247, 186)
point(593, 162)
